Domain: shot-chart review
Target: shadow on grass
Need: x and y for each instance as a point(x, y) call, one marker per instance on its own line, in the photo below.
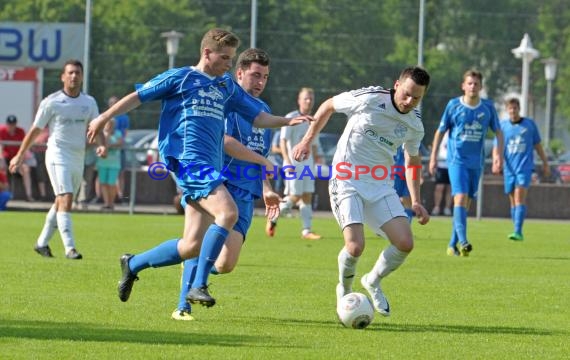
point(45, 330)
point(428, 328)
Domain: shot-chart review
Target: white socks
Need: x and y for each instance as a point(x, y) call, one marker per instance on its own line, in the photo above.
point(65, 231)
point(306, 216)
point(50, 226)
point(346, 269)
point(389, 260)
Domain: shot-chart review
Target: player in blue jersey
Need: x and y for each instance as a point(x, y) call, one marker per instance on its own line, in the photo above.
point(195, 101)
point(468, 119)
point(243, 140)
point(521, 139)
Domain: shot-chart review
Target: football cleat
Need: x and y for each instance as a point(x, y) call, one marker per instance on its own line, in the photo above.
point(200, 296)
point(340, 292)
point(44, 251)
point(516, 237)
point(464, 250)
point(378, 299)
point(270, 228)
point(128, 279)
point(73, 255)
point(452, 251)
point(182, 315)
point(311, 236)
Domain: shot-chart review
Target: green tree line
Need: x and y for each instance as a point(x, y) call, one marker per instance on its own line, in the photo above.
point(330, 45)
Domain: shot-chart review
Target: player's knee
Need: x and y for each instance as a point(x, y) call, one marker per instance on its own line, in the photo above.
point(224, 267)
point(227, 219)
point(405, 244)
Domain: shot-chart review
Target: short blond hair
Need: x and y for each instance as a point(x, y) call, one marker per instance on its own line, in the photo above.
point(217, 39)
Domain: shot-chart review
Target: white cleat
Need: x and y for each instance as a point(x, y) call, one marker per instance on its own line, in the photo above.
point(378, 299)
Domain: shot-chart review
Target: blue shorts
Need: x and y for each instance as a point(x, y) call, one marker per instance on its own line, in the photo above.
point(195, 182)
point(464, 180)
point(401, 187)
point(108, 176)
point(245, 203)
point(517, 180)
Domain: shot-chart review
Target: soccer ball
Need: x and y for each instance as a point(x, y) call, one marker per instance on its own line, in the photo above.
point(355, 310)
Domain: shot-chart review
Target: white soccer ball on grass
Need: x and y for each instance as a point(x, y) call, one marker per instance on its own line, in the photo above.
point(355, 311)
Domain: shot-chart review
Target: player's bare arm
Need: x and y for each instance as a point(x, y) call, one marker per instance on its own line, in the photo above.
point(498, 156)
point(266, 120)
point(302, 150)
point(413, 181)
point(122, 106)
point(433, 156)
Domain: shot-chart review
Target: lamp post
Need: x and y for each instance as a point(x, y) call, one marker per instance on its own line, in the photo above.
point(172, 40)
point(527, 53)
point(550, 75)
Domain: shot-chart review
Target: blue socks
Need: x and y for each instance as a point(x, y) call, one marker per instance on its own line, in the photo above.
point(519, 216)
point(188, 274)
point(212, 244)
point(460, 224)
point(165, 254)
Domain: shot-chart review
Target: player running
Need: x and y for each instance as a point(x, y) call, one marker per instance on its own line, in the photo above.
point(379, 121)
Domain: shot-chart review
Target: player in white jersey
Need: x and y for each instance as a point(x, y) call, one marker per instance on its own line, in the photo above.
point(66, 113)
point(361, 191)
point(299, 175)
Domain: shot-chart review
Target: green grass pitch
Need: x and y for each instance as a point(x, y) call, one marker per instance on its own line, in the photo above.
point(509, 300)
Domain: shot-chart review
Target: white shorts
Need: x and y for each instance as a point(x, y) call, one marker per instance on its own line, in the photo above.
point(300, 184)
point(350, 207)
point(65, 179)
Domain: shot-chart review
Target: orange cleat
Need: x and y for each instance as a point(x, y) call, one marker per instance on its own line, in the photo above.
point(270, 228)
point(311, 236)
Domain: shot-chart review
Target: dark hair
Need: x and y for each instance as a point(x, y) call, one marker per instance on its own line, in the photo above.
point(513, 101)
point(73, 62)
point(252, 55)
point(418, 74)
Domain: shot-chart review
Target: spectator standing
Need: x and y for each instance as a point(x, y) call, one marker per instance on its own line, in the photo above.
point(108, 168)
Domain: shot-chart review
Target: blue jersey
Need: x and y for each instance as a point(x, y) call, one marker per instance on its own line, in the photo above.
point(467, 127)
point(192, 119)
point(520, 139)
point(242, 174)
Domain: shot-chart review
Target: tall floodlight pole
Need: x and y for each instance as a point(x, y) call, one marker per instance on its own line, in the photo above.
point(527, 53)
point(86, 43)
point(253, 30)
point(172, 41)
point(421, 22)
point(550, 74)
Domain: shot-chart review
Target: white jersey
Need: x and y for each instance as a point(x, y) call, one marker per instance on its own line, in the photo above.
point(374, 131)
point(294, 135)
point(67, 118)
